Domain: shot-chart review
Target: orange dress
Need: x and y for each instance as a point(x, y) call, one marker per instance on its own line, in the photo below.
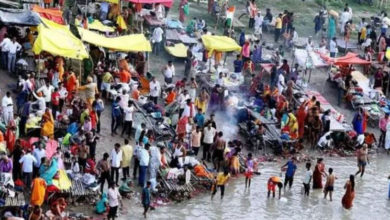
point(124, 76)
point(348, 197)
point(170, 98)
point(38, 192)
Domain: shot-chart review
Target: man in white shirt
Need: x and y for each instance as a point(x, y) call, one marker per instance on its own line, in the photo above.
point(281, 82)
point(13, 47)
point(333, 47)
point(155, 90)
point(38, 154)
point(40, 102)
point(46, 90)
point(8, 108)
point(27, 162)
point(143, 156)
point(157, 39)
point(116, 158)
point(128, 123)
point(189, 109)
point(114, 198)
point(208, 140)
point(4, 52)
point(258, 24)
point(169, 72)
point(325, 141)
point(182, 100)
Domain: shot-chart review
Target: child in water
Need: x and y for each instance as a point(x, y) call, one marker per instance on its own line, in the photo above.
point(249, 170)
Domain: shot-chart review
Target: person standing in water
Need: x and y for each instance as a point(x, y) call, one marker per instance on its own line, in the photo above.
point(145, 196)
point(249, 170)
point(349, 193)
point(362, 160)
point(291, 168)
point(319, 171)
point(329, 185)
point(274, 181)
point(221, 180)
point(307, 180)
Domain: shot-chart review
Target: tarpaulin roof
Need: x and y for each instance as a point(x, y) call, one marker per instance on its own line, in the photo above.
point(98, 26)
point(348, 59)
point(133, 42)
point(220, 43)
point(177, 50)
point(19, 17)
point(60, 41)
point(167, 3)
point(49, 13)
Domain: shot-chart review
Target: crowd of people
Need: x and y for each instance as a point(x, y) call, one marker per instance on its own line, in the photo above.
point(69, 108)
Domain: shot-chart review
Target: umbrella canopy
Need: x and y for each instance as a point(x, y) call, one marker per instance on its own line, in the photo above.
point(220, 43)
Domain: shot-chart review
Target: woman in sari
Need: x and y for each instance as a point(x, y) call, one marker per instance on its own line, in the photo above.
point(293, 126)
point(182, 13)
point(140, 64)
point(318, 173)
point(202, 100)
point(349, 193)
point(10, 136)
point(47, 129)
point(301, 116)
point(357, 123)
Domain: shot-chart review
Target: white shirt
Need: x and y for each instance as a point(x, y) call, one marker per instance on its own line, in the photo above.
point(28, 160)
point(39, 154)
point(4, 44)
point(143, 156)
point(116, 158)
point(182, 100)
point(47, 91)
point(14, 47)
point(124, 100)
point(7, 104)
point(323, 141)
point(258, 21)
point(169, 71)
point(187, 111)
point(332, 46)
point(157, 34)
point(220, 81)
point(63, 93)
point(209, 135)
point(128, 113)
point(113, 197)
point(154, 88)
point(307, 178)
point(41, 101)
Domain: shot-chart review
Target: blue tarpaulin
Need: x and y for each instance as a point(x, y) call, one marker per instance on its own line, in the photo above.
point(19, 17)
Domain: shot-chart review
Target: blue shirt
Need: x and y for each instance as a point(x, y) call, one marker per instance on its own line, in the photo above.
point(199, 119)
point(237, 66)
point(146, 196)
point(291, 167)
point(116, 111)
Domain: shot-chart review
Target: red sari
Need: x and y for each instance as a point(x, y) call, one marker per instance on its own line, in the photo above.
point(317, 176)
point(348, 196)
point(301, 116)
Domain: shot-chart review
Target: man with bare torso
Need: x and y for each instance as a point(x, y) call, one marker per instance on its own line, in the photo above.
point(362, 159)
point(329, 185)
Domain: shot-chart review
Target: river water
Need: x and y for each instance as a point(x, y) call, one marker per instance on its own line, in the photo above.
point(370, 199)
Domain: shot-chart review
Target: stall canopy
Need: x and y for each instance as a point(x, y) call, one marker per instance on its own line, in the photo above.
point(134, 42)
point(177, 50)
point(59, 41)
point(49, 13)
point(348, 59)
point(19, 17)
point(110, 1)
point(220, 43)
point(98, 26)
point(167, 3)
